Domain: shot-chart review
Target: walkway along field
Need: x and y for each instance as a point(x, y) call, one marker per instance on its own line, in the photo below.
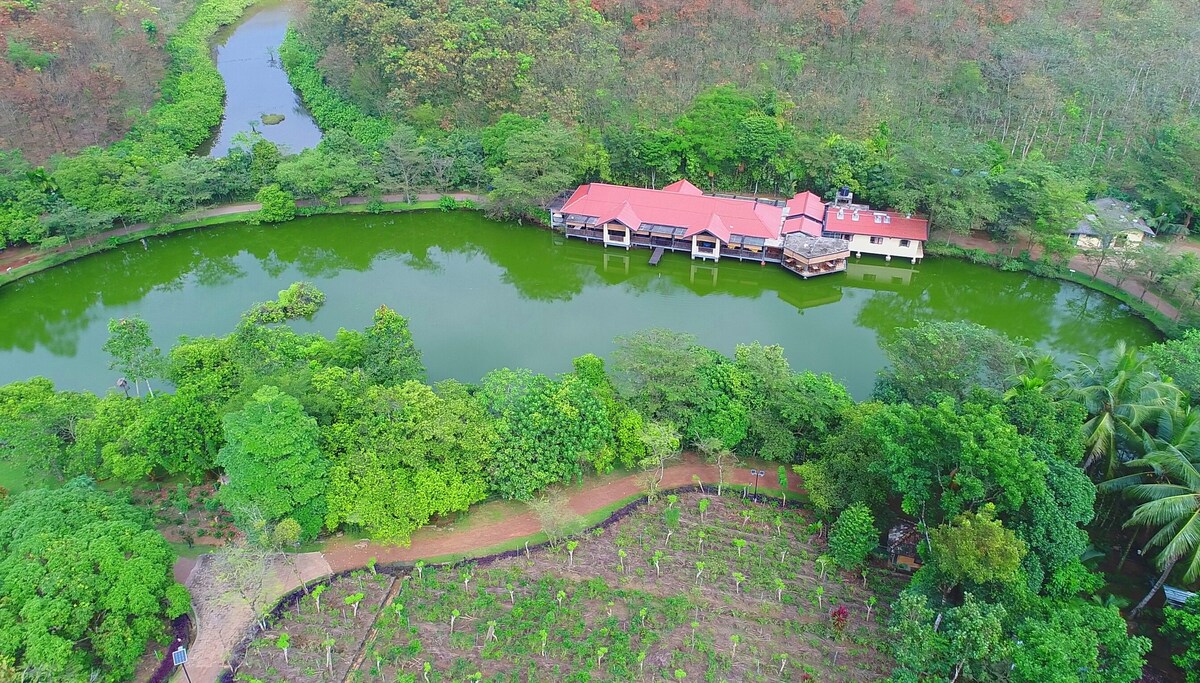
point(223, 619)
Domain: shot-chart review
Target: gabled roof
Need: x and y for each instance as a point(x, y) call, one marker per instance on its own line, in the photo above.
point(680, 204)
point(683, 187)
point(841, 219)
point(803, 224)
point(1113, 212)
point(806, 204)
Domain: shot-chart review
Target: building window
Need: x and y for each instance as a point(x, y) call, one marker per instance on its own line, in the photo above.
point(876, 240)
point(904, 243)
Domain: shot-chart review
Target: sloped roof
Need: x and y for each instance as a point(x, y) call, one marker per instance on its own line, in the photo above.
point(680, 204)
point(806, 204)
point(841, 220)
point(1114, 212)
point(683, 187)
point(803, 224)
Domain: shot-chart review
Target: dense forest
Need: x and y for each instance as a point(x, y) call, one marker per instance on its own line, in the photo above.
point(1107, 92)
point(78, 74)
point(991, 449)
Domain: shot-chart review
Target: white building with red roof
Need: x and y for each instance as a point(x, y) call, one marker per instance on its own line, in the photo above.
point(680, 217)
point(870, 231)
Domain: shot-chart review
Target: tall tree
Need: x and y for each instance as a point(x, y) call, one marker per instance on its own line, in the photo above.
point(1169, 488)
point(1121, 395)
point(273, 463)
point(134, 352)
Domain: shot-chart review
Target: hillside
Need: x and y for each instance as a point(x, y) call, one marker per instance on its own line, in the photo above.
point(76, 74)
point(1106, 91)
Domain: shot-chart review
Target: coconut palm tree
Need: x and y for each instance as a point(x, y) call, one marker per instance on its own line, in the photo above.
point(1036, 372)
point(1169, 487)
point(1122, 397)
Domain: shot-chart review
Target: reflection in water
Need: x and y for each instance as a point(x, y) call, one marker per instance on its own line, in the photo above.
point(482, 295)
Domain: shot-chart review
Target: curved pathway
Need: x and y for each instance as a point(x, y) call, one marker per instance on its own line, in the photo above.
point(222, 619)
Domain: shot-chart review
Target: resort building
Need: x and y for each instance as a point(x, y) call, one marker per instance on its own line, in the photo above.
point(870, 231)
point(1113, 221)
point(795, 233)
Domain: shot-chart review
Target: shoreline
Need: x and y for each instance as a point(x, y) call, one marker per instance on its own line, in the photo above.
point(26, 261)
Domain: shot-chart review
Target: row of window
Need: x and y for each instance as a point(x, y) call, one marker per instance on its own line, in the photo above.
point(879, 240)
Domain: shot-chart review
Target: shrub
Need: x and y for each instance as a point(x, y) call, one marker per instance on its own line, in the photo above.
point(853, 536)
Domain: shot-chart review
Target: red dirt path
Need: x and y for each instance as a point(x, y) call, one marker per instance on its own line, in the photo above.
point(344, 554)
point(223, 622)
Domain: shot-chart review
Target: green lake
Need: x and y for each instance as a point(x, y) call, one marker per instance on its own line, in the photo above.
point(482, 294)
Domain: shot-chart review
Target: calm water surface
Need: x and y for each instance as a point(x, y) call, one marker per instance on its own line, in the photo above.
point(482, 295)
point(255, 83)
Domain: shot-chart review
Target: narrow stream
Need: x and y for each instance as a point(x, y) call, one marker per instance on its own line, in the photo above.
point(255, 83)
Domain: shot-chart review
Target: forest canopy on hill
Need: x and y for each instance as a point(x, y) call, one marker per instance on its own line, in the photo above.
point(78, 73)
point(1106, 90)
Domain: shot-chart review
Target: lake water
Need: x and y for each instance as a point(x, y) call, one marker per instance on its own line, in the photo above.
point(482, 294)
point(255, 83)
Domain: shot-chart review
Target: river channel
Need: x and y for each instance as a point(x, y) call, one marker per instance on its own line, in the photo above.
point(482, 294)
point(246, 54)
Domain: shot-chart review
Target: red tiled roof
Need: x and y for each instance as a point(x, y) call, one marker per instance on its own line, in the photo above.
point(683, 187)
point(899, 227)
point(802, 224)
point(677, 205)
point(807, 204)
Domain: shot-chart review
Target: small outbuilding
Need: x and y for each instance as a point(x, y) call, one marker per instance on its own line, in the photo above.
point(1110, 223)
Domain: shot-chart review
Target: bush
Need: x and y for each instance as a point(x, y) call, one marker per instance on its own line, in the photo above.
point(853, 536)
point(278, 205)
point(447, 203)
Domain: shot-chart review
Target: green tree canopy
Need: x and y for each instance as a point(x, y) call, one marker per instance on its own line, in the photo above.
point(946, 359)
point(85, 582)
point(976, 547)
point(273, 462)
point(403, 454)
point(853, 536)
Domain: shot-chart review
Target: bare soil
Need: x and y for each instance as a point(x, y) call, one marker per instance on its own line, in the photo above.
point(584, 612)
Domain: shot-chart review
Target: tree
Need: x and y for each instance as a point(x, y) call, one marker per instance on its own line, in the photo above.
point(134, 352)
point(788, 413)
point(1091, 641)
point(847, 467)
point(389, 354)
point(402, 454)
point(1179, 360)
point(87, 581)
point(976, 547)
point(403, 162)
point(1182, 626)
point(547, 429)
point(967, 356)
point(278, 205)
point(538, 164)
point(1170, 495)
point(948, 458)
point(1121, 396)
point(273, 462)
point(853, 536)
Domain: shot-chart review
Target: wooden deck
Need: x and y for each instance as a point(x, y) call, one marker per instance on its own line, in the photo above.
point(657, 255)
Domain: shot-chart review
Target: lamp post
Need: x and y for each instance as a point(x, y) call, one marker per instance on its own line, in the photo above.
point(757, 474)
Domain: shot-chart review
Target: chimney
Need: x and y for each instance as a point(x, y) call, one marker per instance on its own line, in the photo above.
point(854, 217)
point(887, 218)
point(878, 218)
point(841, 214)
